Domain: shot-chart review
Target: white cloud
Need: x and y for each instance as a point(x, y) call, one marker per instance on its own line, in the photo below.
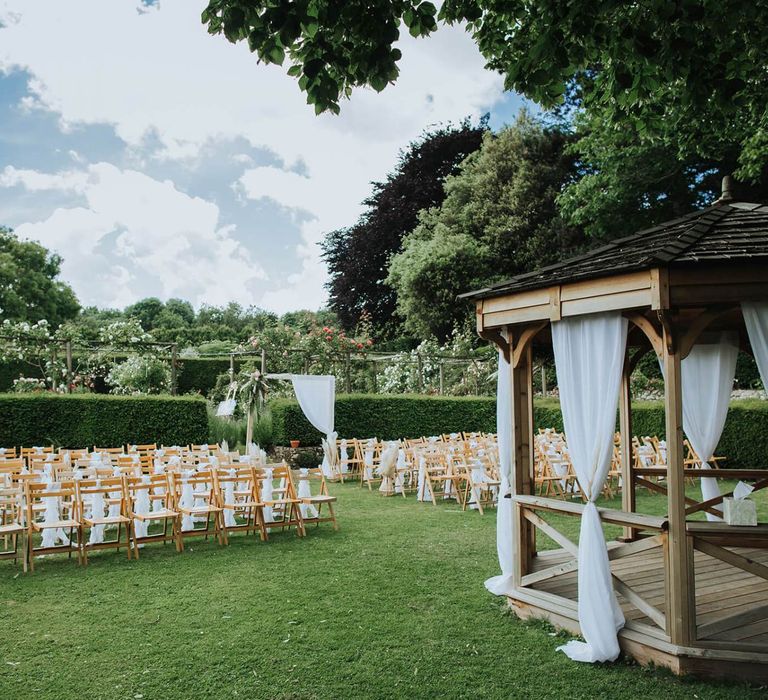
point(34, 181)
point(136, 233)
point(158, 72)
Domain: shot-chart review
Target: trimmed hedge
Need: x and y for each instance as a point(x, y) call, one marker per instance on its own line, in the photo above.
point(82, 420)
point(744, 441)
point(386, 416)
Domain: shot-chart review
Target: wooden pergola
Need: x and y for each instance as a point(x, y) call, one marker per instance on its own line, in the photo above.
point(694, 593)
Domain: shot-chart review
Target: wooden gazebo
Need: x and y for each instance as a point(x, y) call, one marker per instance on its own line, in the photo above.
point(694, 593)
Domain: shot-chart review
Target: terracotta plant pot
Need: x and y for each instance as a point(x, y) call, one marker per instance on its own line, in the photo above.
point(295, 443)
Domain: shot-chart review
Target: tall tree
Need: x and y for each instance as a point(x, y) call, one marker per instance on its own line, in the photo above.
point(358, 256)
point(29, 286)
point(627, 182)
point(147, 311)
point(499, 218)
point(690, 72)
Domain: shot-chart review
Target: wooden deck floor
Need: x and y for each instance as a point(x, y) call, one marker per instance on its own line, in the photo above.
point(722, 592)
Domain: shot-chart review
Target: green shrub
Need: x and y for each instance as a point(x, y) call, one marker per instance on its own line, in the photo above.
point(233, 430)
point(744, 441)
point(80, 420)
point(10, 371)
point(221, 428)
point(199, 374)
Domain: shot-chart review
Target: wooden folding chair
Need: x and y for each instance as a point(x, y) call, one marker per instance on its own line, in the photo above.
point(156, 485)
point(64, 493)
point(317, 500)
point(237, 492)
point(480, 492)
point(89, 489)
point(281, 505)
point(194, 497)
point(11, 524)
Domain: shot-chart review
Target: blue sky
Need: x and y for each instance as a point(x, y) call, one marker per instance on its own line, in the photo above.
point(158, 160)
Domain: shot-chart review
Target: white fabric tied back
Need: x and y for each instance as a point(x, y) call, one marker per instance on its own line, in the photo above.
point(368, 458)
point(478, 477)
point(344, 457)
point(266, 495)
point(421, 485)
point(307, 509)
point(142, 507)
point(388, 468)
point(229, 499)
point(96, 535)
point(756, 320)
point(503, 584)
point(400, 468)
point(707, 380)
point(329, 455)
point(51, 515)
point(157, 503)
point(589, 357)
point(187, 501)
point(114, 507)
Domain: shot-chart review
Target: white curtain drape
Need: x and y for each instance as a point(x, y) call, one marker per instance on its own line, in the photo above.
point(707, 380)
point(316, 395)
point(501, 585)
point(756, 319)
point(589, 356)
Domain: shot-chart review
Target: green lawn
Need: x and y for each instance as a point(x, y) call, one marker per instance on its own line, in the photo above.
point(391, 606)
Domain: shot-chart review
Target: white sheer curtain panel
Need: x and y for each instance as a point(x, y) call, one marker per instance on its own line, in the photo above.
point(756, 319)
point(589, 356)
point(501, 585)
point(316, 395)
point(707, 380)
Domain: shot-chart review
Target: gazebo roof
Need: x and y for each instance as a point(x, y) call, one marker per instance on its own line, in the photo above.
point(726, 231)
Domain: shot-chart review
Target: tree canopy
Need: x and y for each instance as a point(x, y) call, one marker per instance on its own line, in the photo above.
point(688, 74)
point(29, 286)
point(499, 218)
point(358, 256)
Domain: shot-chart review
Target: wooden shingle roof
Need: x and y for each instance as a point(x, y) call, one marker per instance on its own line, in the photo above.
point(726, 231)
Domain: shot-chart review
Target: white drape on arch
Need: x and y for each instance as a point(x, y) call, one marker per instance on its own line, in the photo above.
point(707, 380)
point(501, 585)
point(316, 395)
point(756, 320)
point(589, 356)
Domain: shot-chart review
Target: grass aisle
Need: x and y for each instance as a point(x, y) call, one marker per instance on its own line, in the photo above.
point(391, 606)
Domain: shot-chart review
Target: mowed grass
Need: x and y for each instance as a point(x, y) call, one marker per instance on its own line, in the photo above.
point(391, 606)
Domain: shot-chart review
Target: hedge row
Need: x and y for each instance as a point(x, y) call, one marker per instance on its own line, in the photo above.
point(744, 441)
point(84, 420)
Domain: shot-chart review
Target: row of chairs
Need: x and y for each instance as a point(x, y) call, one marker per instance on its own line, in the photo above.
point(556, 477)
point(459, 467)
point(44, 516)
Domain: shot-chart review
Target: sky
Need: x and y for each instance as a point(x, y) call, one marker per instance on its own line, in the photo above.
point(158, 160)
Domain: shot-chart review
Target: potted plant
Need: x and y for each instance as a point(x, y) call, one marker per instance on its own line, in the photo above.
point(295, 444)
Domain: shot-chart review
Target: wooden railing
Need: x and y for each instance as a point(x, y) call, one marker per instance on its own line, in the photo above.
point(528, 507)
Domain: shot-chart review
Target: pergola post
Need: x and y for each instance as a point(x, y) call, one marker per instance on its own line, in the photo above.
point(681, 600)
point(521, 415)
point(628, 504)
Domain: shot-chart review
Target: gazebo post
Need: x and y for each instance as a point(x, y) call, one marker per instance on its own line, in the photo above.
point(628, 504)
point(521, 415)
point(679, 561)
